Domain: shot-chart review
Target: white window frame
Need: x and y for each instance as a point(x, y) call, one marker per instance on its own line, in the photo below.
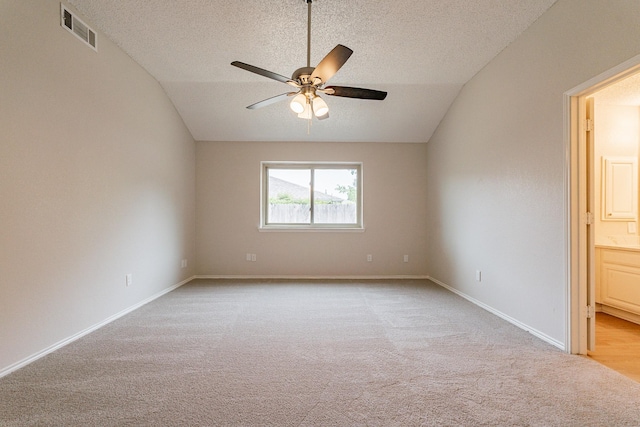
point(264, 196)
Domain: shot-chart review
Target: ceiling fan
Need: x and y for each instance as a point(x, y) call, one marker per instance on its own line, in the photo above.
point(310, 81)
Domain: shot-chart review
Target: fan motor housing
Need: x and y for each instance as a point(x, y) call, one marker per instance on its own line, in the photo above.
point(303, 74)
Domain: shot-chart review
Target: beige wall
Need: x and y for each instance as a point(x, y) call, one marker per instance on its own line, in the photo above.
point(228, 213)
point(97, 180)
point(496, 183)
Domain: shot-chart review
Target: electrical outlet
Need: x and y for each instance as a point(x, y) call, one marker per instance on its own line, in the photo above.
point(128, 279)
point(253, 257)
point(478, 275)
point(369, 258)
point(183, 264)
point(248, 258)
point(406, 258)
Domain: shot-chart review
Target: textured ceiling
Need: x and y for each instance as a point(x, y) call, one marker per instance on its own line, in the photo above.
point(421, 52)
point(625, 92)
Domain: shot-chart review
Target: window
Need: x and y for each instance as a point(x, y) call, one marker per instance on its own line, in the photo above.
point(311, 195)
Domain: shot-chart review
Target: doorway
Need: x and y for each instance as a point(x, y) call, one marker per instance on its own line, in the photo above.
point(615, 111)
point(591, 227)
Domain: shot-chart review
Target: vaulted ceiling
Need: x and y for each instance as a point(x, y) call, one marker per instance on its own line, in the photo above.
point(421, 52)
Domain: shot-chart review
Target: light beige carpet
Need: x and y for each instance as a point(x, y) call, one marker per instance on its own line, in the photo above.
point(403, 353)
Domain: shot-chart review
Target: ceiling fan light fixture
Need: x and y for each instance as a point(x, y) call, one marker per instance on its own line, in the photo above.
point(320, 108)
point(298, 103)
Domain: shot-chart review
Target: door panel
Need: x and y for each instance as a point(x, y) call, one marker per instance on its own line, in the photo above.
point(591, 246)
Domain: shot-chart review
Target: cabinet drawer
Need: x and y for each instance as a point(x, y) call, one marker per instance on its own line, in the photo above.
point(629, 258)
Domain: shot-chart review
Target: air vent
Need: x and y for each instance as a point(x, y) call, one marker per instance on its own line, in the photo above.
point(78, 28)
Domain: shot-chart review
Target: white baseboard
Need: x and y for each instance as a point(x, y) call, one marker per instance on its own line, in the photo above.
point(60, 344)
point(519, 324)
point(302, 277)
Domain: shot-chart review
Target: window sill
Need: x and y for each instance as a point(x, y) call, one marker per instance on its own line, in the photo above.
point(284, 228)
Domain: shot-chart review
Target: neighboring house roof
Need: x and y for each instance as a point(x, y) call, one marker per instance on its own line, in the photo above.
point(280, 186)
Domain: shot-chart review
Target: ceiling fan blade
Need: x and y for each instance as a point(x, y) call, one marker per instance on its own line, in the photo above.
point(262, 72)
point(271, 100)
point(331, 63)
point(355, 92)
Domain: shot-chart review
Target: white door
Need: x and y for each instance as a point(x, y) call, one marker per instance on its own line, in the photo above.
point(590, 241)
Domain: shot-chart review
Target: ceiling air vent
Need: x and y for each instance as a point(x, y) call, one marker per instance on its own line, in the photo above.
point(78, 28)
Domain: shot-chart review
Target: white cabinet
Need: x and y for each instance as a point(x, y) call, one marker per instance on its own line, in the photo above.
point(618, 280)
point(619, 188)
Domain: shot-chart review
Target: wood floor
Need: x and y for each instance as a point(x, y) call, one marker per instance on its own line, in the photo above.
point(617, 345)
